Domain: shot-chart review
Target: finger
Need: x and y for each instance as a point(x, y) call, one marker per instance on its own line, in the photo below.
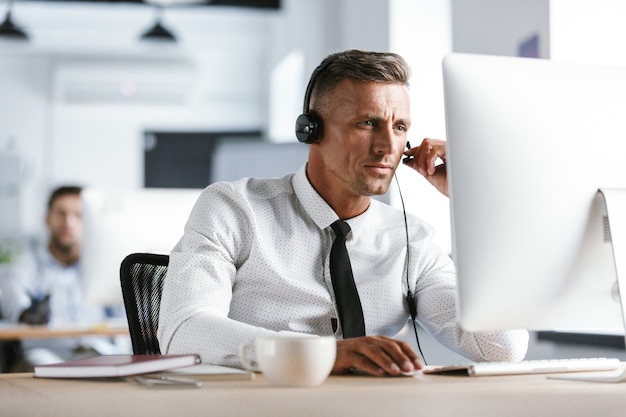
point(411, 157)
point(439, 179)
point(414, 358)
point(424, 158)
point(403, 355)
point(434, 150)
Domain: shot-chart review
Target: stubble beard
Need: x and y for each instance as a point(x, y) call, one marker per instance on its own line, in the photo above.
point(65, 248)
point(369, 187)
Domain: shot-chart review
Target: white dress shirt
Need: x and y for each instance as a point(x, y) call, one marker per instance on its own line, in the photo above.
point(254, 261)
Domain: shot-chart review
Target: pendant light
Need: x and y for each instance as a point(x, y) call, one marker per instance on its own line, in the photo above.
point(8, 30)
point(158, 32)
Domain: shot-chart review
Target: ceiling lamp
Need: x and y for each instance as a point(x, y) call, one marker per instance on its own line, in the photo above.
point(8, 28)
point(158, 32)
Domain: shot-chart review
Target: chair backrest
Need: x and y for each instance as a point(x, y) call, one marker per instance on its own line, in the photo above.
point(142, 276)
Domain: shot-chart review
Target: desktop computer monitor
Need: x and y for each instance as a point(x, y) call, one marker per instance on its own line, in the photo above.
point(120, 222)
point(530, 143)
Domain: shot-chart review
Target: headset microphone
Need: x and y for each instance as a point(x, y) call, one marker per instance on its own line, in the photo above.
point(407, 159)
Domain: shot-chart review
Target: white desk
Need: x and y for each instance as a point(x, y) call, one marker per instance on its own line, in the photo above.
point(345, 396)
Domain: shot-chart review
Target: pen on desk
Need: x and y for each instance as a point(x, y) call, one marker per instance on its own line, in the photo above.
point(168, 382)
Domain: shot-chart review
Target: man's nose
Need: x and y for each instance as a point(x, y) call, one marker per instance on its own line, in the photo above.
point(385, 141)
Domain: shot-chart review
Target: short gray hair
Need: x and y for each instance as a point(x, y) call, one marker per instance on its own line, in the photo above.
point(384, 67)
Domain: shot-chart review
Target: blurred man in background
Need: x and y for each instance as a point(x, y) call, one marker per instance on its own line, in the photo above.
point(44, 287)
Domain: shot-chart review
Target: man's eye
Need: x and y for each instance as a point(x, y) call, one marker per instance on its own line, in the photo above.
point(368, 123)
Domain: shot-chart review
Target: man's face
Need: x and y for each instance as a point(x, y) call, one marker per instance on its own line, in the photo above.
point(364, 136)
point(65, 223)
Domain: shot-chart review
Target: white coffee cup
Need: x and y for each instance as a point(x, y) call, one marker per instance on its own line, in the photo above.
point(292, 361)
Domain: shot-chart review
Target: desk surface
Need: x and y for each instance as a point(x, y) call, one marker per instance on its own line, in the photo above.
point(23, 331)
point(346, 396)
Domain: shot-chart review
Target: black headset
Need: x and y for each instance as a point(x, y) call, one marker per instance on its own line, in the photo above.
point(309, 125)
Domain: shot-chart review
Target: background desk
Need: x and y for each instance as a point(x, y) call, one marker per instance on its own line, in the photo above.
point(11, 334)
point(21, 332)
point(345, 396)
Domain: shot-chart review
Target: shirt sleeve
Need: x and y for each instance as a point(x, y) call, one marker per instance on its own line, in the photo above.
point(437, 313)
point(199, 284)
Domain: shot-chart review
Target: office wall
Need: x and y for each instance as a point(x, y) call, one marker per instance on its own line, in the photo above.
point(24, 126)
point(498, 27)
point(588, 32)
point(568, 30)
point(421, 31)
point(68, 126)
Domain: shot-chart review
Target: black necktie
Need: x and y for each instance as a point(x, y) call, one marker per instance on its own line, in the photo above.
point(346, 295)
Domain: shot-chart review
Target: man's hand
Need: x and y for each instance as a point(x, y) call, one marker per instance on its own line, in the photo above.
point(375, 355)
point(423, 159)
point(38, 312)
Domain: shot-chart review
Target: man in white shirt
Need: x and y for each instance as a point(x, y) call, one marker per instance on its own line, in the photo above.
point(44, 287)
point(254, 258)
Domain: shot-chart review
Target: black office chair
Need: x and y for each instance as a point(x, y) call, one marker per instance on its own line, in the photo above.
point(142, 276)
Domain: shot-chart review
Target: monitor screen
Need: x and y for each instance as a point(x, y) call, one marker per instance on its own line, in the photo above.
point(530, 142)
point(120, 222)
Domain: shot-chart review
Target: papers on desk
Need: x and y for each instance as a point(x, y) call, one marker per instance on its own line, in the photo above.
point(206, 372)
point(193, 376)
point(115, 366)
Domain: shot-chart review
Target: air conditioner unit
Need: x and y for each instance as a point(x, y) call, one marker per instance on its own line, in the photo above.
point(123, 81)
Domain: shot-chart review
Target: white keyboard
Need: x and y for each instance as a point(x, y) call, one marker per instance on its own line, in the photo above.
point(546, 366)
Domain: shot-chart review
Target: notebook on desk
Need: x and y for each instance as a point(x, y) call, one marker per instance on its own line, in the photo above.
point(115, 366)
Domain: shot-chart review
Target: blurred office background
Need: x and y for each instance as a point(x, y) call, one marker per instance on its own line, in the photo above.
point(84, 98)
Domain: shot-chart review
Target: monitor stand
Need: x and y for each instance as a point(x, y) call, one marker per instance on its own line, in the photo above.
point(615, 202)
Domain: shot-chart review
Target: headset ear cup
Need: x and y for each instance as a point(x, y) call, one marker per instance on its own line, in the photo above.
point(307, 128)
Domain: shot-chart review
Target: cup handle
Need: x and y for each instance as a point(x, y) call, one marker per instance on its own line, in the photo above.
point(244, 356)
